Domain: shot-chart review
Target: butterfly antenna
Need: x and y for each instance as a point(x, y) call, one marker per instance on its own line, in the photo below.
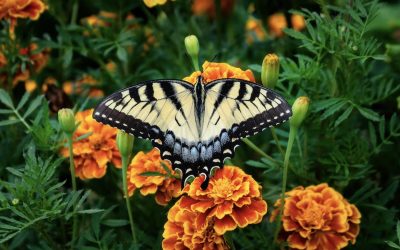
point(212, 60)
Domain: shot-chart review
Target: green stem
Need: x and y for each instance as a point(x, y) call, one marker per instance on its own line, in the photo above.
point(257, 149)
point(195, 61)
point(22, 120)
point(277, 142)
point(128, 204)
point(292, 136)
point(73, 180)
point(74, 14)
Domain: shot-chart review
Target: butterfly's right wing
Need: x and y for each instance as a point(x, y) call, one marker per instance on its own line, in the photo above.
point(160, 110)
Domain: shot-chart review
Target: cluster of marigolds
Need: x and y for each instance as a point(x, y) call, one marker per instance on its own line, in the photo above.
point(315, 217)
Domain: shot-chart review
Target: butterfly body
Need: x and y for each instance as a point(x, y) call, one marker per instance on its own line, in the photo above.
point(195, 127)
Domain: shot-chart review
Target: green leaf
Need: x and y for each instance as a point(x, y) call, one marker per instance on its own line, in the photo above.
point(14, 171)
point(166, 168)
point(68, 57)
point(255, 67)
point(6, 99)
point(115, 223)
point(90, 211)
point(321, 105)
point(24, 99)
point(333, 109)
point(344, 116)
point(83, 136)
point(369, 114)
point(33, 105)
point(6, 111)
point(398, 230)
point(8, 122)
point(152, 173)
point(392, 244)
point(122, 54)
point(295, 34)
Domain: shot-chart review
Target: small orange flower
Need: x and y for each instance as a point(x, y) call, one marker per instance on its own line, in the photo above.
point(93, 153)
point(276, 23)
point(153, 3)
point(298, 22)
point(232, 199)
point(21, 9)
point(86, 82)
point(165, 188)
point(254, 31)
point(318, 217)
point(182, 232)
point(213, 71)
point(200, 7)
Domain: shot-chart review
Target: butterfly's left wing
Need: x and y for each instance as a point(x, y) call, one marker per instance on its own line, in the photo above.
point(235, 109)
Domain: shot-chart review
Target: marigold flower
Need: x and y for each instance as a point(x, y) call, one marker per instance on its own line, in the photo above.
point(21, 9)
point(276, 23)
point(254, 31)
point(164, 188)
point(298, 22)
point(93, 153)
point(182, 232)
point(317, 217)
point(200, 7)
point(153, 3)
point(86, 82)
point(213, 71)
point(232, 199)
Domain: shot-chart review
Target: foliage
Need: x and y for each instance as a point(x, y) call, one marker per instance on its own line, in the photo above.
point(344, 60)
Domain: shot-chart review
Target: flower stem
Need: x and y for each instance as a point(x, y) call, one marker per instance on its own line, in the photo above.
point(125, 159)
point(292, 136)
point(277, 142)
point(73, 180)
point(257, 149)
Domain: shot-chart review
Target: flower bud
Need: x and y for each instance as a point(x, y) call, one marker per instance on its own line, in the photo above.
point(192, 45)
point(270, 70)
point(124, 143)
point(192, 48)
point(66, 119)
point(299, 109)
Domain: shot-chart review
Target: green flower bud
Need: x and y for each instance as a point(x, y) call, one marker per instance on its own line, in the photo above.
point(66, 119)
point(192, 48)
point(124, 143)
point(299, 109)
point(270, 70)
point(15, 201)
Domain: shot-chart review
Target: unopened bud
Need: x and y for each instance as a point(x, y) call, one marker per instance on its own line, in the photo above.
point(66, 119)
point(299, 109)
point(192, 48)
point(270, 70)
point(124, 143)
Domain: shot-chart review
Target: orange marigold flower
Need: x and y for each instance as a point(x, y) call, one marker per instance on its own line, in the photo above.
point(254, 31)
point(86, 82)
point(21, 9)
point(213, 71)
point(164, 188)
point(152, 3)
point(182, 232)
point(232, 199)
point(298, 22)
point(317, 217)
point(200, 7)
point(93, 153)
point(276, 23)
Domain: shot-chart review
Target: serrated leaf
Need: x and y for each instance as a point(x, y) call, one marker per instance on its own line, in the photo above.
point(333, 109)
point(6, 99)
point(8, 122)
point(343, 116)
point(295, 34)
point(15, 172)
point(392, 244)
point(369, 114)
point(115, 223)
point(33, 106)
point(122, 54)
point(321, 105)
point(24, 99)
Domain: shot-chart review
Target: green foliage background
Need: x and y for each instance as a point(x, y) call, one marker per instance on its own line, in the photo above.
point(346, 61)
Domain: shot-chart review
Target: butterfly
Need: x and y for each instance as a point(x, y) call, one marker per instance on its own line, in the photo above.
point(195, 127)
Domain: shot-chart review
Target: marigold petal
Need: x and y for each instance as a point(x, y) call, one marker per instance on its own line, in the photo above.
point(296, 241)
point(223, 225)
